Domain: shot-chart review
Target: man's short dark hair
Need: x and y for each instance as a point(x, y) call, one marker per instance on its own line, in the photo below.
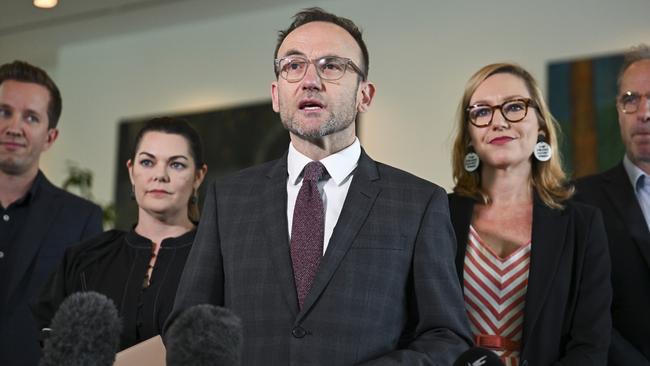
point(316, 14)
point(634, 54)
point(23, 72)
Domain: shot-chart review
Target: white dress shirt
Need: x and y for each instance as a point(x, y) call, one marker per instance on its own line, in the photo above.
point(340, 170)
point(641, 183)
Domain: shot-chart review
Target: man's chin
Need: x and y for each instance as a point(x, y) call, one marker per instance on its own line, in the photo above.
point(638, 153)
point(311, 131)
point(643, 157)
point(316, 129)
point(308, 135)
point(12, 167)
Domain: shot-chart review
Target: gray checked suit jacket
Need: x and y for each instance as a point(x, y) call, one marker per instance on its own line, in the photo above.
point(386, 292)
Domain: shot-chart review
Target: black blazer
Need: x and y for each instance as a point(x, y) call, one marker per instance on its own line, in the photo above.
point(55, 220)
point(566, 315)
point(386, 291)
point(629, 247)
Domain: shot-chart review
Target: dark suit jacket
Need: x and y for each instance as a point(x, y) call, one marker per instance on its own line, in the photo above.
point(629, 247)
point(55, 220)
point(566, 315)
point(386, 292)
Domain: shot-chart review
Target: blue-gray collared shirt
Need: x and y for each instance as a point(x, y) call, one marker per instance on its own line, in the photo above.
point(641, 183)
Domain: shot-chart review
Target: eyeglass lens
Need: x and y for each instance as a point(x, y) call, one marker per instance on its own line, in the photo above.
point(630, 101)
point(328, 68)
point(512, 111)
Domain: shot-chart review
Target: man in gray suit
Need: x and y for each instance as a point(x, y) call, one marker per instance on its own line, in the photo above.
point(328, 257)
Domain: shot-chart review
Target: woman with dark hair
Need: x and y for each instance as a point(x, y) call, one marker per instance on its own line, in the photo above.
point(533, 264)
point(140, 269)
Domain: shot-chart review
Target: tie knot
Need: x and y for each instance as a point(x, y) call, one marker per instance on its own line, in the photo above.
point(313, 171)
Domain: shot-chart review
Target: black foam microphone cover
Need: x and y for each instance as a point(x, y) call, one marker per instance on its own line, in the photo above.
point(85, 331)
point(204, 335)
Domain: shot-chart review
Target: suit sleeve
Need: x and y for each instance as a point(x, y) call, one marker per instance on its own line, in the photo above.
point(202, 278)
point(623, 353)
point(437, 307)
point(93, 225)
point(55, 290)
point(592, 323)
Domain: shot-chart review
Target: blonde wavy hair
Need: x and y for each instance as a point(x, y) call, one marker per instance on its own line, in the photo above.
point(548, 178)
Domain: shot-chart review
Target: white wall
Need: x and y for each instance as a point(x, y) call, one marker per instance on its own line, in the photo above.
point(421, 54)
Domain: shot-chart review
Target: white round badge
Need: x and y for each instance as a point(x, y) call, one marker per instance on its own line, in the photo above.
point(471, 162)
point(543, 151)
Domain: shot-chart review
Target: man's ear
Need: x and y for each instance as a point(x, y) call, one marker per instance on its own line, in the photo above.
point(367, 92)
point(52, 135)
point(274, 96)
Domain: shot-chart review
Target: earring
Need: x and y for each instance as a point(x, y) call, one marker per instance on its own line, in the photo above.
point(543, 151)
point(132, 194)
point(194, 199)
point(471, 161)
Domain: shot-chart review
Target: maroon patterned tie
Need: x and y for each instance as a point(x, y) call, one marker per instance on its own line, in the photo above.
point(307, 230)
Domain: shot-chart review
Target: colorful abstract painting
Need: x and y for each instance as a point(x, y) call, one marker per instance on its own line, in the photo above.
point(582, 97)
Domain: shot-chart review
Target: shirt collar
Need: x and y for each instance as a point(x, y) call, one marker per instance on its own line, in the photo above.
point(339, 165)
point(634, 173)
point(32, 192)
point(138, 241)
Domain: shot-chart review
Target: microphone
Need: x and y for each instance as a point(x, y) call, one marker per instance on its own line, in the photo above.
point(204, 335)
point(478, 357)
point(85, 331)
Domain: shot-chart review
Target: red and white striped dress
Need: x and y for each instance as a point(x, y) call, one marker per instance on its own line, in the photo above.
point(495, 293)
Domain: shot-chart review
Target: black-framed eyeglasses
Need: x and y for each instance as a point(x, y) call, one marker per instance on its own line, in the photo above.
point(630, 101)
point(294, 68)
point(514, 110)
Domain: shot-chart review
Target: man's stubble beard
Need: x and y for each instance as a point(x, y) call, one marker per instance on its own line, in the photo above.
point(335, 123)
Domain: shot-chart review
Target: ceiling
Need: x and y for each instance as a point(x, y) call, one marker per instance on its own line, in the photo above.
point(22, 26)
point(20, 15)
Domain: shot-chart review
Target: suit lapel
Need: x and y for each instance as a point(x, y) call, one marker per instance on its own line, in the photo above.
point(461, 210)
point(621, 195)
point(42, 211)
point(358, 203)
point(548, 241)
point(275, 222)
